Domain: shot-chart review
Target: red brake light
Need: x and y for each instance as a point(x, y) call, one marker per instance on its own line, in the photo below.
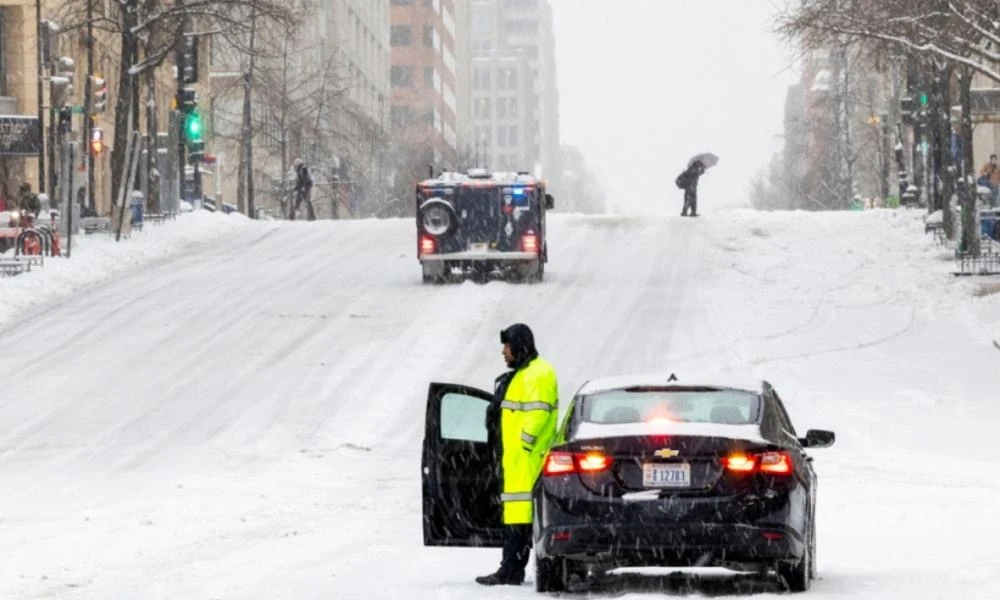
point(772, 463)
point(427, 245)
point(559, 463)
point(593, 462)
point(529, 242)
point(565, 463)
point(776, 463)
point(741, 463)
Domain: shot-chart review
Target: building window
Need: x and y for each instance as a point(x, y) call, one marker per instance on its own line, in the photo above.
point(403, 2)
point(401, 35)
point(507, 108)
point(400, 116)
point(482, 110)
point(429, 77)
point(428, 36)
point(501, 137)
point(482, 24)
point(507, 79)
point(483, 135)
point(521, 26)
point(401, 76)
point(512, 136)
point(481, 79)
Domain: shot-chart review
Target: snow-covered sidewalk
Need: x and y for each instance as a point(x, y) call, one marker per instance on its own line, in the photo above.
point(97, 258)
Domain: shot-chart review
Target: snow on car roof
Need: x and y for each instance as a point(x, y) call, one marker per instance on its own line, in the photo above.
point(592, 431)
point(617, 382)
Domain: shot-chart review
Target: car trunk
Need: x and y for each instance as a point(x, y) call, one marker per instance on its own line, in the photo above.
point(665, 465)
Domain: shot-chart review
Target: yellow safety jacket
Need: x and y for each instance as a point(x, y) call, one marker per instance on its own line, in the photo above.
point(528, 416)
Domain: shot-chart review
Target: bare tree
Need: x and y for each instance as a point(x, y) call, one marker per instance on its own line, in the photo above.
point(945, 39)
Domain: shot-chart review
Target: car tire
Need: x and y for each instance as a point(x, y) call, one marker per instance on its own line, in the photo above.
point(798, 576)
point(550, 575)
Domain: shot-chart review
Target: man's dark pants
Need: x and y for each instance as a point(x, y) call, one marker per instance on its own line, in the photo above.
point(690, 200)
point(516, 549)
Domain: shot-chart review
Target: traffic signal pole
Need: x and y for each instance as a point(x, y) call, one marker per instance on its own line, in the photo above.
point(88, 117)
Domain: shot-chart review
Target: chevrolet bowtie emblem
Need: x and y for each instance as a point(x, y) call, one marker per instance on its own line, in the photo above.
point(666, 453)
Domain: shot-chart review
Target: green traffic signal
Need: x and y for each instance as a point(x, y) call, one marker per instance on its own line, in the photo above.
point(192, 126)
point(923, 98)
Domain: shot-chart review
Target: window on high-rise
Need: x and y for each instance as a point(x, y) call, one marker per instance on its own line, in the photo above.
point(481, 23)
point(400, 116)
point(482, 108)
point(401, 76)
point(507, 79)
point(507, 108)
point(403, 2)
point(400, 35)
point(428, 36)
point(429, 77)
point(480, 79)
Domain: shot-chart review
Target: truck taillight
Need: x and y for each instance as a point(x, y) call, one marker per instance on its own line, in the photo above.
point(771, 463)
point(565, 463)
point(529, 242)
point(427, 245)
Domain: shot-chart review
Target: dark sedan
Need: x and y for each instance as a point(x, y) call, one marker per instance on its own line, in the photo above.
point(647, 471)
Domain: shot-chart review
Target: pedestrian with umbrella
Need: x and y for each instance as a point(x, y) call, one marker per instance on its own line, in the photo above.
point(688, 180)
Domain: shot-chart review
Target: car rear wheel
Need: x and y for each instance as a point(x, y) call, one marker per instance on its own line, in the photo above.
point(798, 576)
point(549, 575)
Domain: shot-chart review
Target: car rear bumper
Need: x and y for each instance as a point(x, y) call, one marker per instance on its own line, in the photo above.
point(479, 255)
point(702, 544)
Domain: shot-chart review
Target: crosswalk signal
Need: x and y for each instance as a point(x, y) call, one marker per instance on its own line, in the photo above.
point(96, 141)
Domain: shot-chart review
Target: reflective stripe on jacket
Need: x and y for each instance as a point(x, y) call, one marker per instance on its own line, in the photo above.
point(528, 417)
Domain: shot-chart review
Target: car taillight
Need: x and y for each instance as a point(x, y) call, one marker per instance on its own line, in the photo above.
point(427, 245)
point(559, 463)
point(565, 463)
point(772, 463)
point(776, 463)
point(529, 242)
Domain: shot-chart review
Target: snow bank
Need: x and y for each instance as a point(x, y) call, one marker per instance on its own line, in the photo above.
point(96, 258)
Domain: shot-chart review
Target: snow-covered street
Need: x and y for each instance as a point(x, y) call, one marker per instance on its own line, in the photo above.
point(243, 418)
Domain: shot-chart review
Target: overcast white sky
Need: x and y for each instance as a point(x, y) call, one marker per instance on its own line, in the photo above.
point(646, 84)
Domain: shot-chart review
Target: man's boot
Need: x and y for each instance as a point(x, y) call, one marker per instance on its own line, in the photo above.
point(501, 577)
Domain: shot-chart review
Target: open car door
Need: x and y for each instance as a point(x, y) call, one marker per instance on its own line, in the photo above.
point(460, 468)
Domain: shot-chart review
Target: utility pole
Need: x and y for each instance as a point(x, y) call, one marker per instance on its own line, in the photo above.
point(41, 107)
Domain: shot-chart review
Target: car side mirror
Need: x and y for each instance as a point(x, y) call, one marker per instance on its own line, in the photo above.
point(550, 202)
point(818, 438)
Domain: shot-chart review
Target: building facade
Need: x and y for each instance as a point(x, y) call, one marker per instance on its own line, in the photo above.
point(424, 114)
point(513, 45)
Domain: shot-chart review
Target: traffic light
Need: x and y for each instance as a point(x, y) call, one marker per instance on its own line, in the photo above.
point(62, 82)
point(65, 120)
point(193, 127)
point(906, 110)
point(187, 59)
point(923, 98)
point(98, 94)
point(96, 141)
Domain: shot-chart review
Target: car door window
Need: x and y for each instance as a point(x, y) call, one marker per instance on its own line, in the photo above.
point(463, 418)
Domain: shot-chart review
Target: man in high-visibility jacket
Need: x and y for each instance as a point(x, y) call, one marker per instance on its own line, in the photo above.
point(528, 396)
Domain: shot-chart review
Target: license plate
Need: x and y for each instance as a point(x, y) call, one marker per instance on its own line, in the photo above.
point(675, 475)
point(479, 247)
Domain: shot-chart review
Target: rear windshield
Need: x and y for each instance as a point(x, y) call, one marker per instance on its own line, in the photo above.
point(730, 407)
